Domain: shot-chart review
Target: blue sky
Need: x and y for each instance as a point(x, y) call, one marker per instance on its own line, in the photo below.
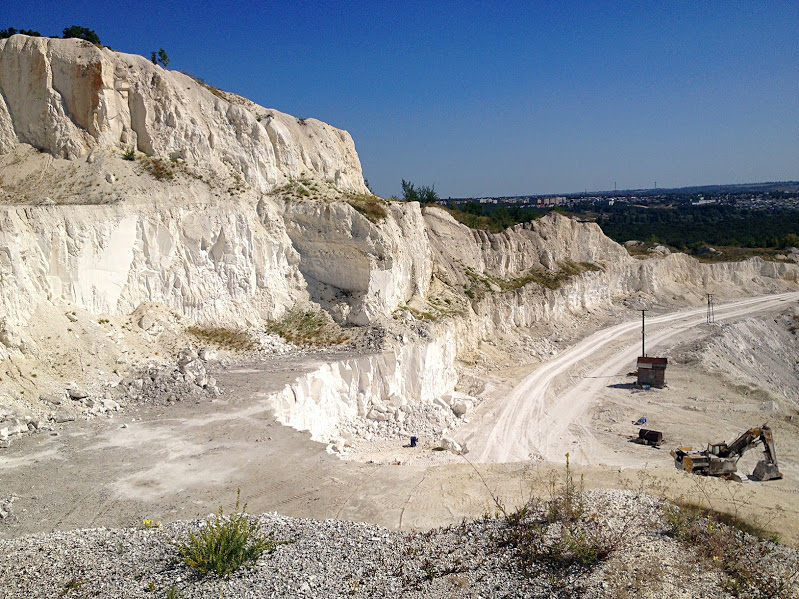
point(495, 98)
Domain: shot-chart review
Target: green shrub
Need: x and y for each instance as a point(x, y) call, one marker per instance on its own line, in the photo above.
point(425, 194)
point(83, 33)
point(4, 33)
point(129, 154)
point(492, 218)
point(226, 543)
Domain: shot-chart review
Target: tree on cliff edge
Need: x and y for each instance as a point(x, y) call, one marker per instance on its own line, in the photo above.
point(424, 193)
point(82, 33)
point(4, 33)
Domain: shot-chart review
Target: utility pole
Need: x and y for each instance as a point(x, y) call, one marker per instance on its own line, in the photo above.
point(643, 332)
point(711, 317)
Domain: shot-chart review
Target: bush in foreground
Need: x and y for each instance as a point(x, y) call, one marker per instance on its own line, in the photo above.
point(226, 543)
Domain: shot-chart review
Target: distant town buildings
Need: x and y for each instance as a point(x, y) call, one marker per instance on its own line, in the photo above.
point(748, 199)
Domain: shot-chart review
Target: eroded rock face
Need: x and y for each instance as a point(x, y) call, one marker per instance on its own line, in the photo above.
point(224, 263)
point(356, 269)
point(68, 97)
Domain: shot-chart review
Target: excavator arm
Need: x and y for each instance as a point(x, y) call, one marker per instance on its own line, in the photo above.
point(720, 459)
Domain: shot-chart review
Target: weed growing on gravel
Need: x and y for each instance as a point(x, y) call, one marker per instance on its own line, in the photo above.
point(147, 523)
point(226, 543)
point(72, 585)
point(558, 533)
point(129, 154)
point(226, 338)
point(734, 547)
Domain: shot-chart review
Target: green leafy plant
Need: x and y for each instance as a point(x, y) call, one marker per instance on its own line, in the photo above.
point(226, 543)
point(557, 533)
point(425, 194)
point(163, 58)
point(129, 154)
point(160, 56)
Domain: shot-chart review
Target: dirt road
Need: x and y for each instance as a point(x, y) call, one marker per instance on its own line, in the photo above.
point(536, 422)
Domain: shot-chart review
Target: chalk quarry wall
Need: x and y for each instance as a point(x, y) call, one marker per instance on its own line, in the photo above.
point(244, 257)
point(240, 262)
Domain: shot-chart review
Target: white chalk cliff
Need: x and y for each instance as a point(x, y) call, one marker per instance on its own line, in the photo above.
point(69, 97)
point(256, 216)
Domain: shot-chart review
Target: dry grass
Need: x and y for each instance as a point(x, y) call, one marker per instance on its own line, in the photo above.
point(543, 278)
point(310, 328)
point(736, 548)
point(371, 206)
point(223, 337)
point(162, 170)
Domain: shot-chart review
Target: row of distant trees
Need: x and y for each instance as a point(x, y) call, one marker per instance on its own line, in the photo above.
point(690, 226)
point(75, 31)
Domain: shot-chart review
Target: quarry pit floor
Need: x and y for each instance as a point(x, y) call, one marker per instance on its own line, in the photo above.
point(183, 461)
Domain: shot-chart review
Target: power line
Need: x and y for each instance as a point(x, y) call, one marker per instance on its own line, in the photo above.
point(643, 332)
point(711, 317)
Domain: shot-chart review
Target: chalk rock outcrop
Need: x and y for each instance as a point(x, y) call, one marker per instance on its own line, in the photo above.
point(357, 269)
point(69, 97)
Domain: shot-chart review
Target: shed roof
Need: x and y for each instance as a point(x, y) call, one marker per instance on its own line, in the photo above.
point(648, 360)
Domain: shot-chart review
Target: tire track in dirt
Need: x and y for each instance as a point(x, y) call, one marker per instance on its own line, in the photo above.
point(531, 422)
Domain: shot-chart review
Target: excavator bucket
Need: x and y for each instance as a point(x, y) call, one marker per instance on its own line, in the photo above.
point(766, 471)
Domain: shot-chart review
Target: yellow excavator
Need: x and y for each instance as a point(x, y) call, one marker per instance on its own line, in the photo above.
point(720, 459)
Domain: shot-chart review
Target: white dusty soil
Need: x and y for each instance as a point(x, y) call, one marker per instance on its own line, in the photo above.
point(181, 461)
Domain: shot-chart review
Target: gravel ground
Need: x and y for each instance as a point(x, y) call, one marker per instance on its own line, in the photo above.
point(345, 559)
